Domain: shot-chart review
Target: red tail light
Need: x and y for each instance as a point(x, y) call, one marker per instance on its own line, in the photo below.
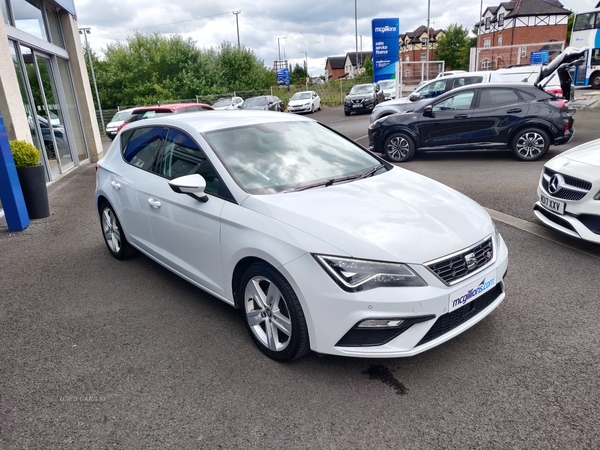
point(561, 103)
point(96, 168)
point(121, 126)
point(566, 128)
point(555, 90)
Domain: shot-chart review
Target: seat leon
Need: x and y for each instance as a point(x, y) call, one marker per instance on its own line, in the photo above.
point(320, 244)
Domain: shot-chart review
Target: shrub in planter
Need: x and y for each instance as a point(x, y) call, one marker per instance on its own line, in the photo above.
point(32, 178)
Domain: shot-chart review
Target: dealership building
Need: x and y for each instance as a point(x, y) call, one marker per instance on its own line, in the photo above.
point(45, 94)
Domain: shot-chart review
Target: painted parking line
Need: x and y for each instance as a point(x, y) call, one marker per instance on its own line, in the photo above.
point(540, 231)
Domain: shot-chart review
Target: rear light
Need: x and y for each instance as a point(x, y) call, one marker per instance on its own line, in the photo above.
point(561, 103)
point(555, 90)
point(96, 168)
point(566, 128)
point(121, 126)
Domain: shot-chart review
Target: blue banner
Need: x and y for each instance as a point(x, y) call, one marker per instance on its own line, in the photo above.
point(283, 77)
point(386, 49)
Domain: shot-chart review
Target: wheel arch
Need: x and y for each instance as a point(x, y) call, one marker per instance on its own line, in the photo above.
point(594, 74)
point(405, 130)
point(541, 125)
point(238, 271)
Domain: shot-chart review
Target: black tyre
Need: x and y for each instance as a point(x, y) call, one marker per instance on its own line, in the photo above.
point(530, 144)
point(346, 112)
point(595, 80)
point(399, 148)
point(272, 313)
point(113, 234)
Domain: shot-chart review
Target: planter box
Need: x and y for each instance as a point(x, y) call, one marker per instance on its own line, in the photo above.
point(35, 193)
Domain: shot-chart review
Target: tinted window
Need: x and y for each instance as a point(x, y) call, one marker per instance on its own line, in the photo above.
point(527, 96)
point(182, 156)
point(491, 98)
point(458, 101)
point(584, 21)
point(433, 90)
point(141, 146)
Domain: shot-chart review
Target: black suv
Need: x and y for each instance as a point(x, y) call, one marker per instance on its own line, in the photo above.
point(363, 97)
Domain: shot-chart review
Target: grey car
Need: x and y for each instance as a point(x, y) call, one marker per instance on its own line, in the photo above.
point(363, 97)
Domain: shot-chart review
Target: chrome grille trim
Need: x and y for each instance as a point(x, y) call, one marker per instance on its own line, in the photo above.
point(574, 190)
point(451, 269)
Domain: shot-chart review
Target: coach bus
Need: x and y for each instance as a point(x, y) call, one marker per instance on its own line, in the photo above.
point(586, 33)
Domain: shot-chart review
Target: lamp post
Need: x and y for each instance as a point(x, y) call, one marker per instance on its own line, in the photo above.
point(306, 67)
point(356, 32)
point(237, 24)
point(279, 47)
point(85, 32)
point(427, 42)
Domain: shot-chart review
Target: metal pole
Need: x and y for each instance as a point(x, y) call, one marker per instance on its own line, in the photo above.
point(356, 32)
point(278, 49)
point(237, 25)
point(85, 33)
point(427, 49)
point(306, 68)
point(478, 33)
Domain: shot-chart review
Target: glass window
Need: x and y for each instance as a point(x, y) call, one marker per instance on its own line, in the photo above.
point(584, 21)
point(29, 18)
point(423, 57)
point(486, 64)
point(487, 23)
point(487, 42)
point(458, 101)
point(275, 157)
point(5, 11)
point(432, 90)
point(595, 60)
point(499, 41)
point(141, 146)
point(493, 98)
point(182, 156)
point(501, 20)
point(54, 25)
point(527, 96)
point(523, 52)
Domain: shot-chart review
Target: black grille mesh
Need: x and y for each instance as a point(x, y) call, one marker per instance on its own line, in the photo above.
point(454, 268)
point(565, 193)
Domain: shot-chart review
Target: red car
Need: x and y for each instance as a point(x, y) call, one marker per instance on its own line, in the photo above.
point(146, 112)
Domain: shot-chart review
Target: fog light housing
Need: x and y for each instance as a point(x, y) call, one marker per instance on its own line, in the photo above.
point(380, 323)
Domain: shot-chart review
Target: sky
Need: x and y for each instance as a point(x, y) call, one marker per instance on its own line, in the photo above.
point(298, 29)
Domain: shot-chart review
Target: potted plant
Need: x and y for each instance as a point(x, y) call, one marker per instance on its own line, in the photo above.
point(32, 177)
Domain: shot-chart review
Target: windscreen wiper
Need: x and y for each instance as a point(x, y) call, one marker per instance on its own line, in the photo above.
point(332, 181)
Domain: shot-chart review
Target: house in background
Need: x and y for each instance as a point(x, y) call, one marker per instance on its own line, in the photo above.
point(334, 68)
point(413, 54)
point(510, 32)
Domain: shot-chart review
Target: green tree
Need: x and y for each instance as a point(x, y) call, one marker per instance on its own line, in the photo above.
point(453, 47)
point(569, 28)
point(298, 74)
point(368, 67)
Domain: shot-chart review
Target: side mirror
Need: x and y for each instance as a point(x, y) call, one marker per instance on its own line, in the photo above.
point(428, 111)
point(192, 185)
point(414, 96)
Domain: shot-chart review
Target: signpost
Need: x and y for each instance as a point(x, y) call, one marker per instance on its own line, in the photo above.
point(386, 34)
point(283, 77)
point(539, 57)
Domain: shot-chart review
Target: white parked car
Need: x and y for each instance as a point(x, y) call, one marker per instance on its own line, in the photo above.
point(118, 119)
point(228, 103)
point(389, 88)
point(319, 243)
point(569, 192)
point(305, 101)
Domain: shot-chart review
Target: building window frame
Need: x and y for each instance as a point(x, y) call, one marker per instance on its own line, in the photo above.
point(486, 64)
point(487, 42)
point(501, 20)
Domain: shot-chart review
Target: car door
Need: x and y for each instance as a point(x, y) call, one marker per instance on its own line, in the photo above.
point(186, 231)
point(448, 124)
point(132, 180)
point(495, 115)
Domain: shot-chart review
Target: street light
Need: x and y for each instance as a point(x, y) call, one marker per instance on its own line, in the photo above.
point(85, 32)
point(306, 67)
point(237, 12)
point(279, 47)
point(356, 32)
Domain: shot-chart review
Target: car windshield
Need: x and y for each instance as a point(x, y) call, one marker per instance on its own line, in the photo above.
point(120, 116)
point(302, 96)
point(222, 102)
point(362, 89)
point(283, 156)
point(389, 84)
point(255, 101)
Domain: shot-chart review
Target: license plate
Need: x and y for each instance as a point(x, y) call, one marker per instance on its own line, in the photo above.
point(356, 106)
point(466, 295)
point(552, 205)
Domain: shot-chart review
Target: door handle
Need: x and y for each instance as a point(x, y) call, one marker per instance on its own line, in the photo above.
point(461, 116)
point(115, 185)
point(154, 203)
point(515, 110)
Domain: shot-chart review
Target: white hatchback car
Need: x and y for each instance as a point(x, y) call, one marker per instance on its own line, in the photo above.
point(319, 243)
point(305, 101)
point(112, 127)
point(569, 192)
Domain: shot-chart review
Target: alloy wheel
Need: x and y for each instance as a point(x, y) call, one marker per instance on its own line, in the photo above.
point(530, 145)
point(398, 148)
point(110, 228)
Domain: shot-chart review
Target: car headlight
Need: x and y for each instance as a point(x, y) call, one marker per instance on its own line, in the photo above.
point(355, 275)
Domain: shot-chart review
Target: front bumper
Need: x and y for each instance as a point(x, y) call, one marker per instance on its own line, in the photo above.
point(299, 109)
point(359, 107)
point(332, 314)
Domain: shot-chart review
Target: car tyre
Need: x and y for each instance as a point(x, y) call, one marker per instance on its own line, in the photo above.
point(272, 313)
point(312, 108)
point(399, 148)
point(595, 80)
point(346, 112)
point(114, 237)
point(530, 144)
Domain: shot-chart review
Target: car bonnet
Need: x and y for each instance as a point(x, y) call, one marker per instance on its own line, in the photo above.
point(395, 216)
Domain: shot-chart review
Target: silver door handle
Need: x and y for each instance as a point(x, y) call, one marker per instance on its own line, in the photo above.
point(154, 203)
point(116, 185)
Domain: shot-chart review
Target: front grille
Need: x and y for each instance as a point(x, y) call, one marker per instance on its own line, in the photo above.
point(554, 218)
point(582, 187)
point(447, 322)
point(454, 268)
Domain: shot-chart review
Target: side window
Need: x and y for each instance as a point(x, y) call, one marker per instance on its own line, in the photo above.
point(182, 156)
point(456, 102)
point(433, 90)
point(140, 146)
point(472, 80)
point(493, 98)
